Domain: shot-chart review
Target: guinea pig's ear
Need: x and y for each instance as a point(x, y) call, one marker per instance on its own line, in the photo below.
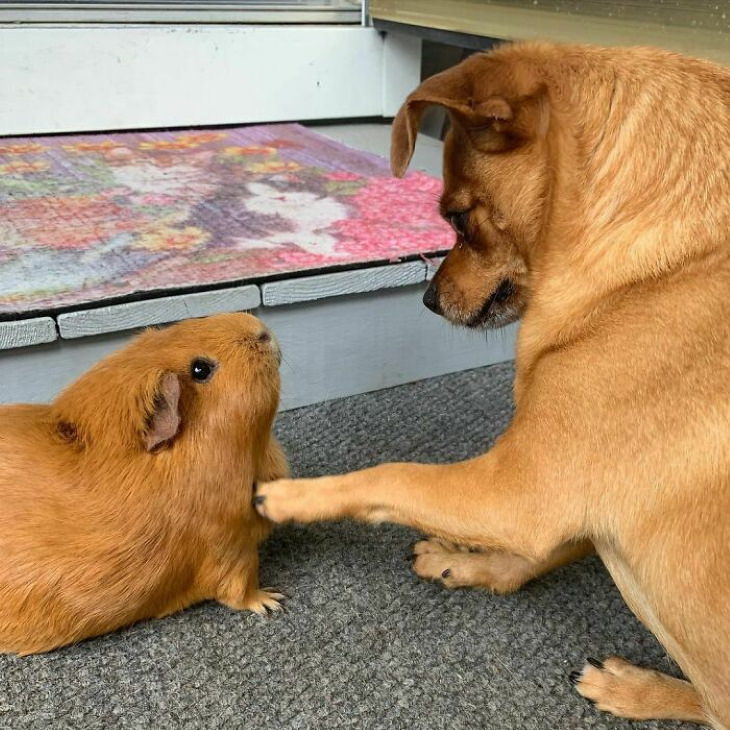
point(68, 432)
point(163, 420)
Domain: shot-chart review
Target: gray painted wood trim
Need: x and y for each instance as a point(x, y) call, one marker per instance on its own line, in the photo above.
point(332, 348)
point(26, 332)
point(118, 317)
point(432, 266)
point(323, 286)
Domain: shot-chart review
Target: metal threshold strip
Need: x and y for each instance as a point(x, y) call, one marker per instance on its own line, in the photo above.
point(175, 11)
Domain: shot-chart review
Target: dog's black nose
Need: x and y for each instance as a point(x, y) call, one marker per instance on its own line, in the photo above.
point(431, 300)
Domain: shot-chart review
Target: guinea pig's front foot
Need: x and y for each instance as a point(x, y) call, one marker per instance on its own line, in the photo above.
point(300, 500)
point(240, 590)
point(259, 600)
point(262, 601)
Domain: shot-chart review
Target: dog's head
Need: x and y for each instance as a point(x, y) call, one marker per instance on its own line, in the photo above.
point(571, 172)
point(495, 183)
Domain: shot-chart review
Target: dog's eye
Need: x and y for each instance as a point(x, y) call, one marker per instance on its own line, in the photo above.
point(459, 219)
point(202, 369)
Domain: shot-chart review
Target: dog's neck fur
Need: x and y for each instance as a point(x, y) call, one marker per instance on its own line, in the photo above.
point(617, 224)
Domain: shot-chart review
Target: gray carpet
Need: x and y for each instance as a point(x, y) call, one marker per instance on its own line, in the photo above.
point(364, 643)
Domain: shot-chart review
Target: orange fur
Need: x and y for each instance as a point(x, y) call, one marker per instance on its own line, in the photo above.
point(129, 496)
point(590, 192)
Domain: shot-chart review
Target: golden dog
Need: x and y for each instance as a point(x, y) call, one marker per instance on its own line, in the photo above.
point(589, 189)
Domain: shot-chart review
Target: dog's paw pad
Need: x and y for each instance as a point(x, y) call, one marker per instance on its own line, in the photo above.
point(436, 566)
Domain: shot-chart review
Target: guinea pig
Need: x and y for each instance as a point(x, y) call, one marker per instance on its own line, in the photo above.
point(129, 496)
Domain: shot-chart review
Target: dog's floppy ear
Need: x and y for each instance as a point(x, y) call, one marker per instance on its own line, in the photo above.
point(163, 415)
point(447, 89)
point(496, 122)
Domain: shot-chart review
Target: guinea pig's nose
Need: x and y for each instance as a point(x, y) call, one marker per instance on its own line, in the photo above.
point(431, 299)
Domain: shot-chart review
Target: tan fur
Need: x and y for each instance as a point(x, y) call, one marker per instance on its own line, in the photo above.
point(129, 496)
point(457, 566)
point(594, 185)
point(625, 690)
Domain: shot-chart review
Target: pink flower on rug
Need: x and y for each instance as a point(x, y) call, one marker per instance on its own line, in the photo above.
point(363, 236)
point(411, 200)
point(389, 210)
point(342, 175)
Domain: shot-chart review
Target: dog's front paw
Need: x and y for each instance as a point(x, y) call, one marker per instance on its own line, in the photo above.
point(298, 500)
point(280, 501)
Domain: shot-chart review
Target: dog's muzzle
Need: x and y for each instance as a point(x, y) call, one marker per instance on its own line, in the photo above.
point(499, 296)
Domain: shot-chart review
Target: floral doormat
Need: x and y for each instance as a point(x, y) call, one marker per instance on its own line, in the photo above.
point(93, 218)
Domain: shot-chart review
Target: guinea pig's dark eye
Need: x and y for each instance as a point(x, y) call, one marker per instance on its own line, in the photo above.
point(202, 369)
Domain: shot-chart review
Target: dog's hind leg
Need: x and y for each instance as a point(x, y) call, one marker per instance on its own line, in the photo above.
point(625, 690)
point(498, 571)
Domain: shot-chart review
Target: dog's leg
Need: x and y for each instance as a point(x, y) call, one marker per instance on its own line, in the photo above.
point(502, 500)
point(618, 687)
point(495, 570)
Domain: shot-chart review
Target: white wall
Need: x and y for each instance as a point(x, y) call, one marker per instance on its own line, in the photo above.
point(85, 78)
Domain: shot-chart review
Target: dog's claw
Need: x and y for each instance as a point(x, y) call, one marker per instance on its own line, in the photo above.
point(597, 663)
point(574, 677)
